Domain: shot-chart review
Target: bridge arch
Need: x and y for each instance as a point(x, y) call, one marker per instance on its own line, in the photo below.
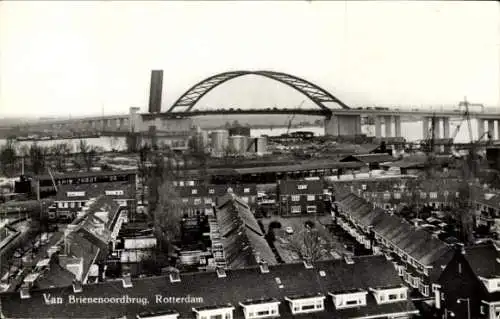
point(312, 91)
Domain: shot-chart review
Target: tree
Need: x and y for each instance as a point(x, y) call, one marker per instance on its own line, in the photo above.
point(88, 153)
point(60, 151)
point(37, 158)
point(8, 156)
point(307, 244)
point(167, 215)
point(465, 212)
point(144, 153)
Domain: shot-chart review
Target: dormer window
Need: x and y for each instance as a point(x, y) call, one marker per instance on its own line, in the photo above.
point(306, 304)
point(214, 312)
point(349, 299)
point(165, 314)
point(301, 186)
point(75, 194)
point(114, 193)
point(175, 277)
point(264, 308)
point(390, 295)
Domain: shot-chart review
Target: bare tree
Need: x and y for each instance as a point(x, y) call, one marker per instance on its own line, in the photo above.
point(60, 152)
point(8, 156)
point(37, 158)
point(88, 153)
point(465, 211)
point(307, 244)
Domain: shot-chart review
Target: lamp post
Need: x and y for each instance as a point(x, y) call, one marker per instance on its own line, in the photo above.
point(459, 300)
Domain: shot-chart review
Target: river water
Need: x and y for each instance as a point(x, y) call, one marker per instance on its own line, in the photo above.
point(412, 131)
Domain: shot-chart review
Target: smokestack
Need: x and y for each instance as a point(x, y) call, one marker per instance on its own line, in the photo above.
point(155, 91)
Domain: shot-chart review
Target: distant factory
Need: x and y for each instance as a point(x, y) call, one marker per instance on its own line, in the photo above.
point(233, 142)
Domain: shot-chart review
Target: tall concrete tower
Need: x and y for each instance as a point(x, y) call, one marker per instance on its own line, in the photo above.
point(155, 91)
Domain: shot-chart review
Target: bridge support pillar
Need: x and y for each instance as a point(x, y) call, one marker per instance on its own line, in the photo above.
point(437, 127)
point(498, 130)
point(343, 125)
point(446, 127)
point(491, 128)
point(388, 126)
point(378, 127)
point(397, 126)
point(425, 127)
point(480, 127)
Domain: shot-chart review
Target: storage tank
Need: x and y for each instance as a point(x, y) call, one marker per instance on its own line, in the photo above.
point(219, 141)
point(260, 145)
point(238, 144)
point(239, 130)
point(200, 141)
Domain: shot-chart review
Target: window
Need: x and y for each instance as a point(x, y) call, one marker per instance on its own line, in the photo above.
point(184, 200)
point(311, 209)
point(190, 183)
point(397, 195)
point(295, 198)
point(245, 199)
point(302, 186)
point(311, 198)
point(246, 190)
point(114, 193)
point(194, 191)
point(423, 195)
point(75, 194)
point(261, 310)
point(211, 191)
point(393, 297)
point(296, 209)
point(433, 195)
point(208, 200)
point(72, 205)
point(197, 201)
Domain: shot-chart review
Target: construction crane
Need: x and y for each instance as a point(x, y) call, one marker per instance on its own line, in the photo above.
point(292, 117)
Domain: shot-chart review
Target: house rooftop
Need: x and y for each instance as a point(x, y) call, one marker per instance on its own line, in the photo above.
point(95, 190)
point(238, 286)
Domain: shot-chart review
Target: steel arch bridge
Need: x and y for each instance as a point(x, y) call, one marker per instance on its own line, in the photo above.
point(318, 95)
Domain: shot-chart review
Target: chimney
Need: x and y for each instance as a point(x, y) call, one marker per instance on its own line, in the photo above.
point(264, 268)
point(155, 91)
point(25, 291)
point(127, 281)
point(77, 286)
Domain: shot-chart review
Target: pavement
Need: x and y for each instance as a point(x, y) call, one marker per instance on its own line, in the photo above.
point(333, 244)
point(29, 257)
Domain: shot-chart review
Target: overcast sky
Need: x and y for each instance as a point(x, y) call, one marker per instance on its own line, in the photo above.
point(66, 57)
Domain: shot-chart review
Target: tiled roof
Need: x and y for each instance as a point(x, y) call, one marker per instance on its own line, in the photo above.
point(238, 286)
point(95, 190)
point(418, 243)
point(368, 158)
point(297, 167)
point(243, 240)
point(86, 174)
point(483, 260)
